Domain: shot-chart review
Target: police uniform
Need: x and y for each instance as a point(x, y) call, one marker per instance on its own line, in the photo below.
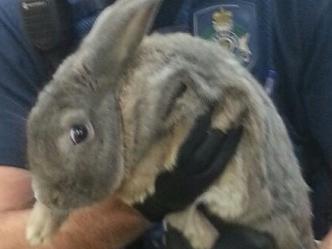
point(287, 45)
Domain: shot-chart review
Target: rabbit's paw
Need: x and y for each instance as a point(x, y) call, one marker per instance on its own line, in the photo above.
point(42, 224)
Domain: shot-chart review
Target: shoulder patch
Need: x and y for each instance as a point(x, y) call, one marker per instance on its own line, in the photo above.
point(232, 25)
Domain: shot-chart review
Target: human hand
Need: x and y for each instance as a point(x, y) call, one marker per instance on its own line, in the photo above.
point(327, 242)
point(201, 160)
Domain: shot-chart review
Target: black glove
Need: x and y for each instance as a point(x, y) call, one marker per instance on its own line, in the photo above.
point(234, 236)
point(201, 160)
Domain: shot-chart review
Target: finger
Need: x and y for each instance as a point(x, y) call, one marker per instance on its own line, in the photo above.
point(206, 152)
point(235, 235)
point(198, 183)
point(212, 167)
point(195, 137)
point(216, 221)
point(226, 152)
point(175, 239)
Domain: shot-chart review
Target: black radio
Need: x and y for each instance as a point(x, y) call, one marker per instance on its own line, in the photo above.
point(47, 22)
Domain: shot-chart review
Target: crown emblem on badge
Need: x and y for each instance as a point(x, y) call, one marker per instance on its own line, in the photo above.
point(225, 25)
point(222, 17)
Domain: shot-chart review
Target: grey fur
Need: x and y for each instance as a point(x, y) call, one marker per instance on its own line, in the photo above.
point(125, 89)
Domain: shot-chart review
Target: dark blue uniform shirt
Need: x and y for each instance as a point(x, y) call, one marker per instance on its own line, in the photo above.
point(287, 45)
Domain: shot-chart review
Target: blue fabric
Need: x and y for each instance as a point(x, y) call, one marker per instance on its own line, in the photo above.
point(303, 60)
point(293, 39)
point(84, 13)
point(21, 77)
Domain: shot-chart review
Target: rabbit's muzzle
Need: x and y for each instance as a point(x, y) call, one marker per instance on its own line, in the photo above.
point(66, 198)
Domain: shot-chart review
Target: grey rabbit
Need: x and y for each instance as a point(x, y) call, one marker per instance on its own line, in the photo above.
point(117, 110)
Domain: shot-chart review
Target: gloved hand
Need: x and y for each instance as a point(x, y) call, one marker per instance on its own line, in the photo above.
point(201, 160)
point(235, 236)
point(231, 236)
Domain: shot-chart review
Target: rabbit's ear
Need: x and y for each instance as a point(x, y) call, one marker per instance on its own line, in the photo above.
point(116, 35)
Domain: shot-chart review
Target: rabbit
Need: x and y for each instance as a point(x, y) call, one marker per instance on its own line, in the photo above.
point(117, 110)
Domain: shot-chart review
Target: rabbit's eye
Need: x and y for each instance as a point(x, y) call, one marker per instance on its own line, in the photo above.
point(78, 133)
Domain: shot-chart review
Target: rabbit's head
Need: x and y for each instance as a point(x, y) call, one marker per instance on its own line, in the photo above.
point(74, 131)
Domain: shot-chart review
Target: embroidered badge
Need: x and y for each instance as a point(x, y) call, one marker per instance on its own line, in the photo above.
point(233, 26)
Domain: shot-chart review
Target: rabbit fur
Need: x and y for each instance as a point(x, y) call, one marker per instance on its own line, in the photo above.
point(138, 96)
